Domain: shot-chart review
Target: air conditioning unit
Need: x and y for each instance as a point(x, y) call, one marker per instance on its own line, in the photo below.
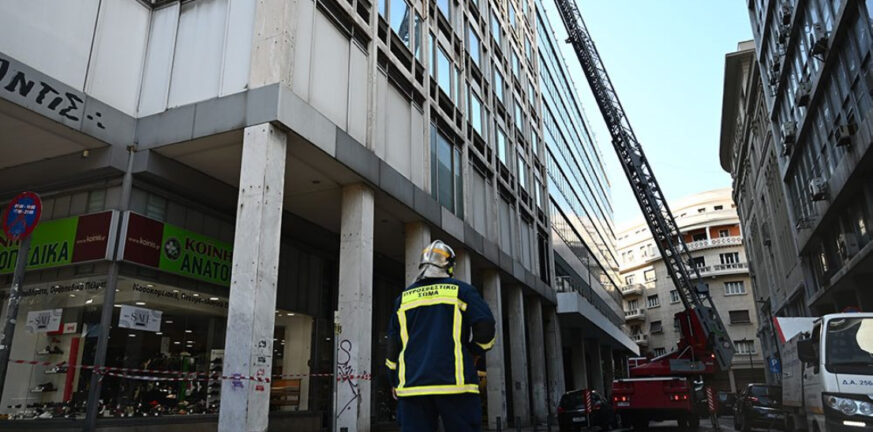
point(843, 134)
point(848, 244)
point(818, 189)
point(789, 132)
point(818, 40)
point(785, 14)
point(804, 88)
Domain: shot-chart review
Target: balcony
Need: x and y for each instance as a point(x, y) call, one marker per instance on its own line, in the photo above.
point(724, 269)
point(640, 339)
point(635, 315)
point(714, 243)
point(632, 290)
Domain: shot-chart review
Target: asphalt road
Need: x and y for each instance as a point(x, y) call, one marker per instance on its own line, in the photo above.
point(726, 425)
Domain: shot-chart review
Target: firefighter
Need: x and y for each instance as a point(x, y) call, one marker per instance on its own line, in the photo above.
point(438, 325)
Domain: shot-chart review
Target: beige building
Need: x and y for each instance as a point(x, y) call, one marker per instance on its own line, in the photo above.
point(710, 227)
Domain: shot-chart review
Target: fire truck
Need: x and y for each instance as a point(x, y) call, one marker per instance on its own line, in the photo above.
point(674, 385)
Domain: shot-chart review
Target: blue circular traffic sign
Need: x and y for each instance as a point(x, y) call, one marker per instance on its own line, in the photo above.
point(21, 216)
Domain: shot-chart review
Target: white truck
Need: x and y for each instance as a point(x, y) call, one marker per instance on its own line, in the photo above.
point(827, 372)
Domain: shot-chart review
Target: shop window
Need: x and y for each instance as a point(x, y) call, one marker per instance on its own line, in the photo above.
point(96, 200)
point(156, 207)
point(446, 177)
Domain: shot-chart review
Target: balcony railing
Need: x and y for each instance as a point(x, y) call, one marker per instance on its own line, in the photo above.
point(640, 339)
point(724, 269)
point(635, 314)
point(632, 289)
point(716, 242)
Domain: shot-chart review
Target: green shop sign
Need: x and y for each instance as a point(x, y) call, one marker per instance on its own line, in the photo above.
point(176, 250)
point(63, 242)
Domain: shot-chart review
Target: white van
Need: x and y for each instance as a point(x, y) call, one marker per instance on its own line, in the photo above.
point(827, 377)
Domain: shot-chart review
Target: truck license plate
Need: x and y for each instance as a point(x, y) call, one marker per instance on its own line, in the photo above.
point(623, 404)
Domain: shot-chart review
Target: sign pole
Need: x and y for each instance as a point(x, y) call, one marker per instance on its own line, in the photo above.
point(12, 309)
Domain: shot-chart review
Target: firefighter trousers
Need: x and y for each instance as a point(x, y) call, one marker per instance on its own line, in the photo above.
point(459, 412)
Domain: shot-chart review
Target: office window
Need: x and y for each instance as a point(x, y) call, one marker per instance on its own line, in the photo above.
point(729, 258)
point(739, 317)
point(718, 207)
point(674, 296)
point(655, 327)
point(734, 288)
point(430, 55)
point(701, 210)
point(498, 85)
point(649, 275)
point(476, 115)
point(495, 29)
point(698, 237)
point(156, 207)
point(653, 301)
point(659, 352)
point(512, 15)
point(444, 71)
point(532, 96)
point(474, 47)
point(501, 145)
point(445, 7)
point(96, 200)
point(400, 20)
point(446, 180)
point(519, 117)
point(538, 193)
point(724, 233)
point(745, 346)
point(698, 262)
point(628, 280)
point(522, 172)
point(417, 42)
point(515, 66)
point(633, 305)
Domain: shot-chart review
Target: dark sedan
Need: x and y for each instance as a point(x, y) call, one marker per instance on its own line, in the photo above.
point(572, 416)
point(759, 406)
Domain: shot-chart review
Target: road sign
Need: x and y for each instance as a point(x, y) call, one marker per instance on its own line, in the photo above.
point(21, 216)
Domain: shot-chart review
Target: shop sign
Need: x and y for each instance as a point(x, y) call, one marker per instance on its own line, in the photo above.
point(138, 318)
point(63, 242)
point(44, 321)
point(175, 250)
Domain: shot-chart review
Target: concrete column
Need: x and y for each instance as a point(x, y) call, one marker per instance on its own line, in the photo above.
point(416, 238)
point(494, 361)
point(537, 351)
point(518, 354)
point(554, 358)
point(462, 265)
point(250, 316)
point(596, 366)
point(580, 365)
point(355, 315)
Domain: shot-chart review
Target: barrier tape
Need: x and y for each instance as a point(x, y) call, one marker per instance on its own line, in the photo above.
point(134, 373)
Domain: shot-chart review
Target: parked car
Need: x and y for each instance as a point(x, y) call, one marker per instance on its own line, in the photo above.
point(572, 416)
point(726, 402)
point(759, 406)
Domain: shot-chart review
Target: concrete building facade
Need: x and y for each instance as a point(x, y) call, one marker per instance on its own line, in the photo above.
point(710, 227)
point(796, 134)
point(258, 179)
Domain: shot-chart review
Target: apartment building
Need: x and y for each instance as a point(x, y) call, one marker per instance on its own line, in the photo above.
point(796, 133)
point(710, 227)
point(261, 177)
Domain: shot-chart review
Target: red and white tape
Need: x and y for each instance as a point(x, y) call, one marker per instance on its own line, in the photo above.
point(134, 373)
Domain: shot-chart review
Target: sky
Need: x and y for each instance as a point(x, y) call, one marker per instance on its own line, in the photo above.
point(666, 60)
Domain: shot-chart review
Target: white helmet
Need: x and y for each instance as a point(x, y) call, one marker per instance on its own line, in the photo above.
point(437, 261)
